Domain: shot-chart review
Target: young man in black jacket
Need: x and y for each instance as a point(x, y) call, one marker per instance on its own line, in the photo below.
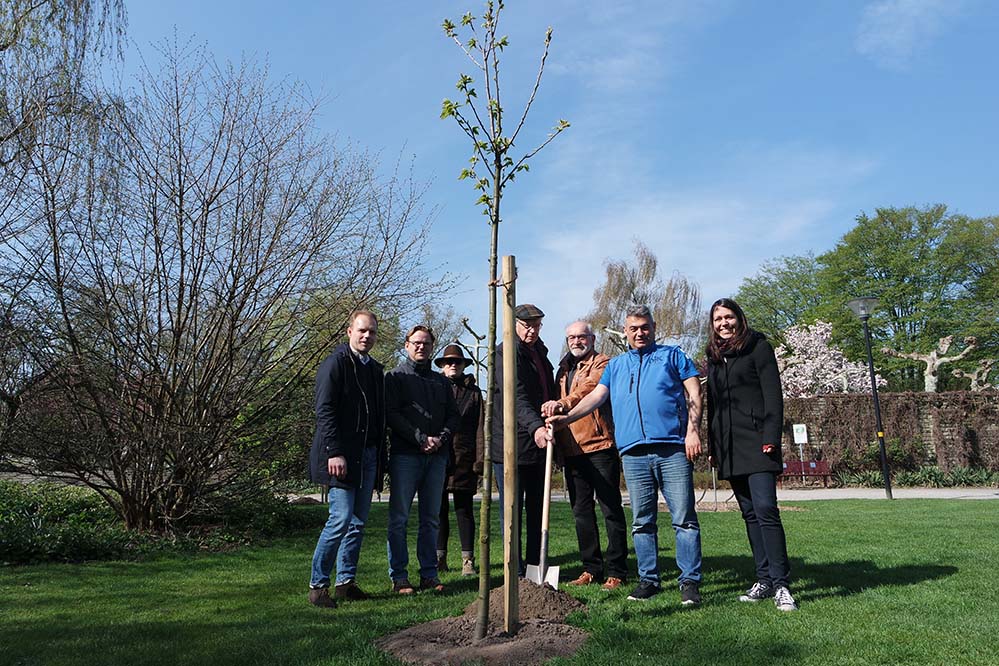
point(347, 455)
point(422, 415)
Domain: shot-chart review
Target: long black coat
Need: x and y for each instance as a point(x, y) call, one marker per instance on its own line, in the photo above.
point(343, 414)
point(467, 442)
point(530, 396)
point(745, 410)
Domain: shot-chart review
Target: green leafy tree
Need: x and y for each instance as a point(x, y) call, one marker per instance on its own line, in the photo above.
point(783, 293)
point(935, 273)
point(905, 257)
point(492, 166)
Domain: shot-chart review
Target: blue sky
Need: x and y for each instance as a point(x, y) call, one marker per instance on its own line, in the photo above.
point(721, 133)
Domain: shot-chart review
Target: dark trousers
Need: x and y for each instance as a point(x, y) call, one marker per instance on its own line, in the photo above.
point(464, 518)
point(598, 474)
point(757, 497)
point(531, 481)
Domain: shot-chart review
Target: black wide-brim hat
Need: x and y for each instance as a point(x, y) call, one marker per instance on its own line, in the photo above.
point(452, 352)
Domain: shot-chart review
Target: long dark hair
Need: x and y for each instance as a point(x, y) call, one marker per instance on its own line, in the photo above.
point(717, 348)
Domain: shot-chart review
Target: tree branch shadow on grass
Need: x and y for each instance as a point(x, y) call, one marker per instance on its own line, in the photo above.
point(820, 580)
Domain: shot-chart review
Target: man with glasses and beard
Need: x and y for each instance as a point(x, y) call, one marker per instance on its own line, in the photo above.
point(592, 466)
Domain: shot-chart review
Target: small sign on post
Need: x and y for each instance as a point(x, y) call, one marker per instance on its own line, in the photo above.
point(800, 431)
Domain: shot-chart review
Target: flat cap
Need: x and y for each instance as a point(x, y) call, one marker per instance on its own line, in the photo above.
point(528, 311)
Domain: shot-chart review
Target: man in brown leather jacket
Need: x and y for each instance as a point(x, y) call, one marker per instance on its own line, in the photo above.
point(592, 465)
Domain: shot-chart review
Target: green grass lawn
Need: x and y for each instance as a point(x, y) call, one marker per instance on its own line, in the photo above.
point(907, 582)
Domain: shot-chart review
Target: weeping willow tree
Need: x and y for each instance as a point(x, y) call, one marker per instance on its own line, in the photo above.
point(675, 302)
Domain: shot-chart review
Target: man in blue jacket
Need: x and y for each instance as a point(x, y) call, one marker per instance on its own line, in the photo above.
point(347, 455)
point(655, 397)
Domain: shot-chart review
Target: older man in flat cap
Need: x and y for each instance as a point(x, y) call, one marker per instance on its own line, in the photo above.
point(535, 386)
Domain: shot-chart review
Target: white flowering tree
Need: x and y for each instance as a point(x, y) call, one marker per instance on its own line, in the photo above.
point(810, 365)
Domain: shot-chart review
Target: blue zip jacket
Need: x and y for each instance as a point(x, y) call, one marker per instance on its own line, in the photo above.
point(647, 398)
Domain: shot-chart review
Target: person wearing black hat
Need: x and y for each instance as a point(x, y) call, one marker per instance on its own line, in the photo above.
point(535, 386)
point(466, 459)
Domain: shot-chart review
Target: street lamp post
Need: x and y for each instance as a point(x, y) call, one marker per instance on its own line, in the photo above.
point(862, 307)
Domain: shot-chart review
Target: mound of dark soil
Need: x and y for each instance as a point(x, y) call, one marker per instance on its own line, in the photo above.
point(542, 634)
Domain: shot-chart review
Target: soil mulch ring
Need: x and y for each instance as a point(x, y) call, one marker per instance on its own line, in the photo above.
point(449, 641)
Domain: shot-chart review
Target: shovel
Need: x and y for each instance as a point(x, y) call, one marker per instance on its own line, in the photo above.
point(542, 573)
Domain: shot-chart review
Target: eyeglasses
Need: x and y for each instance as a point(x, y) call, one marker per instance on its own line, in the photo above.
point(419, 343)
point(536, 325)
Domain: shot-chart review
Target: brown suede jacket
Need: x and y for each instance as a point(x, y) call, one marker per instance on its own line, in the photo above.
point(595, 431)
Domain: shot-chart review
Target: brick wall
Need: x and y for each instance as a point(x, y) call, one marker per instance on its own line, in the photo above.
point(952, 429)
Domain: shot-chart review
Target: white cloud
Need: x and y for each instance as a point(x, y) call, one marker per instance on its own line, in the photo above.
point(628, 48)
point(765, 201)
point(891, 31)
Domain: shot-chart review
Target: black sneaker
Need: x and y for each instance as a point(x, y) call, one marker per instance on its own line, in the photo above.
point(783, 599)
point(350, 592)
point(689, 594)
point(402, 586)
point(758, 592)
point(645, 590)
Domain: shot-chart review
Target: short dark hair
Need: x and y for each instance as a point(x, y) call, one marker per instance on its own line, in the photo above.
point(420, 327)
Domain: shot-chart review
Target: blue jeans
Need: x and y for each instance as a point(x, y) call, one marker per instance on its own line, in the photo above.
point(415, 475)
point(344, 529)
point(649, 470)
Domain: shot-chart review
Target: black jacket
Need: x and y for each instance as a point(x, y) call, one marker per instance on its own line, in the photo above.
point(343, 412)
point(419, 403)
point(530, 396)
point(745, 410)
point(467, 443)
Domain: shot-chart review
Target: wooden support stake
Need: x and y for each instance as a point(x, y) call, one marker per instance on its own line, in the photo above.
point(511, 516)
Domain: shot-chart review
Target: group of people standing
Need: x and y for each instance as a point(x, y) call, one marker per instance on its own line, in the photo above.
point(433, 422)
point(637, 413)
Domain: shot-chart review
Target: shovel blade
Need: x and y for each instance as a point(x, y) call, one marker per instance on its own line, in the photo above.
point(549, 578)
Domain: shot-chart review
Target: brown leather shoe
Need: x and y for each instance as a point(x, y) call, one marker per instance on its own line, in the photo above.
point(612, 583)
point(585, 578)
point(321, 597)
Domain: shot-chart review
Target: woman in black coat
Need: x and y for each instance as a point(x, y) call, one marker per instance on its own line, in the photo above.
point(745, 420)
point(465, 465)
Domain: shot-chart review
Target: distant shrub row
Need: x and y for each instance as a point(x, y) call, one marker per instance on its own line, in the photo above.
point(925, 477)
point(44, 522)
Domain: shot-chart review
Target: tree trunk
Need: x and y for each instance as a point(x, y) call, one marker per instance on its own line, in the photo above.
point(482, 619)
